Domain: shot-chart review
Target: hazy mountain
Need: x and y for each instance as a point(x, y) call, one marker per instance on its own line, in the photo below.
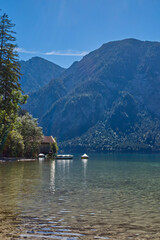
point(37, 72)
point(107, 101)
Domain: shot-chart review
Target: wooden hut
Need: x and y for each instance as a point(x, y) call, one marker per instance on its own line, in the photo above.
point(46, 144)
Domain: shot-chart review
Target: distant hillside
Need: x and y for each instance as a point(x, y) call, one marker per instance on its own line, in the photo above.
point(109, 101)
point(37, 72)
point(126, 127)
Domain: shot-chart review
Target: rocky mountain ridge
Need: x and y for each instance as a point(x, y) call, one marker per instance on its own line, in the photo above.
point(37, 72)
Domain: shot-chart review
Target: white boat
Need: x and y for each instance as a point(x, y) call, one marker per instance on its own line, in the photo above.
point(68, 156)
point(84, 156)
point(41, 155)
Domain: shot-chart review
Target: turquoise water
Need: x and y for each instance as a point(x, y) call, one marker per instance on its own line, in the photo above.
point(112, 196)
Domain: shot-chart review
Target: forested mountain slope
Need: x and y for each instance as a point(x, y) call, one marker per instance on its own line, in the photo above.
point(107, 101)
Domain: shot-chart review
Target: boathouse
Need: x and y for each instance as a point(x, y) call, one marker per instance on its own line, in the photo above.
point(46, 144)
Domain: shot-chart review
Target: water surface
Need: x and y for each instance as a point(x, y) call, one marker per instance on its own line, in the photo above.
point(112, 196)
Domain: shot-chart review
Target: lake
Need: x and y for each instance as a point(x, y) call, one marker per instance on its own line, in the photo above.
point(112, 196)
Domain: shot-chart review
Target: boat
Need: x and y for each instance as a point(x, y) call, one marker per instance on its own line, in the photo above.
point(84, 156)
point(66, 156)
point(41, 155)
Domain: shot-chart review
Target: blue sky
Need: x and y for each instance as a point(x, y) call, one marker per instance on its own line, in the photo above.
point(63, 31)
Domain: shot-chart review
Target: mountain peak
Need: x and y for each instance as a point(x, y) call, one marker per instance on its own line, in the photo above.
point(37, 72)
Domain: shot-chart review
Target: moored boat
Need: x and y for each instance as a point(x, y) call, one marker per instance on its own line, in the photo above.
point(41, 155)
point(84, 156)
point(66, 156)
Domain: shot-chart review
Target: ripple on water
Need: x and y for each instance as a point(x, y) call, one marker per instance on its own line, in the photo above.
point(47, 237)
point(60, 233)
point(121, 202)
point(46, 229)
point(98, 237)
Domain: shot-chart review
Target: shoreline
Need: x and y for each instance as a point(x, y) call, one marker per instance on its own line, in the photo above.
point(14, 159)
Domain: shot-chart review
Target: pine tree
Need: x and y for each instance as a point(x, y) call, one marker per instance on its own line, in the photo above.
point(10, 90)
point(9, 65)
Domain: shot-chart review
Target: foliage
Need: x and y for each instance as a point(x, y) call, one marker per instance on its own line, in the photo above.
point(10, 91)
point(24, 138)
point(54, 147)
point(9, 67)
point(31, 133)
point(19, 136)
point(14, 146)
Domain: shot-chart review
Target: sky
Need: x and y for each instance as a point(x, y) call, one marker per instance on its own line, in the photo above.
point(63, 31)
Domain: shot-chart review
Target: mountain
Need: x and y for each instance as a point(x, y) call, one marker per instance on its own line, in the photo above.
point(39, 102)
point(37, 72)
point(109, 101)
point(127, 127)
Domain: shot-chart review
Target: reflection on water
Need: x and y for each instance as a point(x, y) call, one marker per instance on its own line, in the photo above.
point(52, 179)
point(64, 165)
point(85, 161)
point(41, 158)
point(106, 197)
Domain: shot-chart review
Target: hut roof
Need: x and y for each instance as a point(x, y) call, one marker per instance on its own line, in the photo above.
point(48, 139)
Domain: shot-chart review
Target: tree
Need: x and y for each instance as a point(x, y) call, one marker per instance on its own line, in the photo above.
point(10, 91)
point(54, 147)
point(31, 133)
point(19, 135)
point(14, 145)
